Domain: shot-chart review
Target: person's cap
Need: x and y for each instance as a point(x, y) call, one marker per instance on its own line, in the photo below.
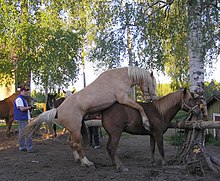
point(24, 89)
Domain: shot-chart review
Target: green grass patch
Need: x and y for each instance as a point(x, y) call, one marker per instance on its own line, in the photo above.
point(175, 140)
point(3, 125)
point(210, 139)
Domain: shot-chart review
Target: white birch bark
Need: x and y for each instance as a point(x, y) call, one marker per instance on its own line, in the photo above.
point(195, 47)
point(129, 47)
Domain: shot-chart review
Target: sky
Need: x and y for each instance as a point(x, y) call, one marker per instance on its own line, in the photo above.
point(91, 75)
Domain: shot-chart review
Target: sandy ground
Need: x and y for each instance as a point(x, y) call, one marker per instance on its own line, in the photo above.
point(54, 161)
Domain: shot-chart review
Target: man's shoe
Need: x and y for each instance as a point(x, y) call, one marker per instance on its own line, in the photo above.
point(97, 147)
point(23, 150)
point(31, 151)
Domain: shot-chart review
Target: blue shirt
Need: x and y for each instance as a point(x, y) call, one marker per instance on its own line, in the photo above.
point(18, 114)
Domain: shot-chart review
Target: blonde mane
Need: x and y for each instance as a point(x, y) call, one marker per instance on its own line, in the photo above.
point(138, 75)
point(164, 103)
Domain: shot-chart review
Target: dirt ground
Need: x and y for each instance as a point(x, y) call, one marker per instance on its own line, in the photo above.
point(54, 161)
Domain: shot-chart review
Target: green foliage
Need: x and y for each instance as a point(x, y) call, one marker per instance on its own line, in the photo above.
point(35, 38)
point(211, 89)
point(52, 39)
point(163, 89)
point(40, 97)
point(210, 139)
point(176, 139)
point(159, 32)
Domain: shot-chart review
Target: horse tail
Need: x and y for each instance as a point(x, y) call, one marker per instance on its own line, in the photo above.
point(48, 117)
point(84, 133)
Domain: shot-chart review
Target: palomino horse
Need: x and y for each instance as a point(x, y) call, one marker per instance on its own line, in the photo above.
point(119, 118)
point(111, 86)
point(7, 110)
point(52, 102)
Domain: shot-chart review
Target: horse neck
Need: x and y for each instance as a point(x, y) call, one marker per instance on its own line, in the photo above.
point(170, 109)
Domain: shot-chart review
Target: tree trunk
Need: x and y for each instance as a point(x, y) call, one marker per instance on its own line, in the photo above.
point(129, 47)
point(193, 152)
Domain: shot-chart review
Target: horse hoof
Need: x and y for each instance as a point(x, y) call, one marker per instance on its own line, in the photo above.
point(90, 165)
point(125, 169)
point(87, 163)
point(122, 168)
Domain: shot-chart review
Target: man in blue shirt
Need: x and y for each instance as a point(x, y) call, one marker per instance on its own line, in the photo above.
point(22, 115)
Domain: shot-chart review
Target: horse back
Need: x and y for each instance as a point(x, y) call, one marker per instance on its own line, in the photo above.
point(5, 109)
point(124, 118)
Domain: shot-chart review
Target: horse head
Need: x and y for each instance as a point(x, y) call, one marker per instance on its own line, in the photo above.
point(148, 87)
point(51, 98)
point(190, 103)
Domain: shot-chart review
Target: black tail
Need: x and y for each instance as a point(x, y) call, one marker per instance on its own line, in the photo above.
point(84, 133)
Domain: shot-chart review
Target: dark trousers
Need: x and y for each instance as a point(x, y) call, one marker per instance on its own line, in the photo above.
point(94, 134)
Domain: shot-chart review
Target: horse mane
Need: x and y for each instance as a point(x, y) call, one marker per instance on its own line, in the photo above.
point(138, 75)
point(164, 103)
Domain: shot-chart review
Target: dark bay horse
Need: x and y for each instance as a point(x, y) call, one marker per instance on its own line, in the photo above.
point(111, 86)
point(119, 118)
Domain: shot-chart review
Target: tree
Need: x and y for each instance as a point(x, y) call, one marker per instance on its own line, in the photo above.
point(35, 39)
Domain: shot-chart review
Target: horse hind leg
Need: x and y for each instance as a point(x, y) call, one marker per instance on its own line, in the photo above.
point(112, 151)
point(159, 140)
point(75, 153)
point(75, 144)
point(152, 149)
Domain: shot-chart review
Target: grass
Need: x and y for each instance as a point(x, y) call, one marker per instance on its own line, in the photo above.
point(175, 140)
point(3, 125)
point(210, 139)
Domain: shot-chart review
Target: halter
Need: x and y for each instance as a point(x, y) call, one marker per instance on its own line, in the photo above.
point(190, 108)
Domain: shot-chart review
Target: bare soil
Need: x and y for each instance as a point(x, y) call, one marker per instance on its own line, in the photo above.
point(54, 161)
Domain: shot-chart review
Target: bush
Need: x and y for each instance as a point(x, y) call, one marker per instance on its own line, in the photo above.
point(210, 139)
point(177, 139)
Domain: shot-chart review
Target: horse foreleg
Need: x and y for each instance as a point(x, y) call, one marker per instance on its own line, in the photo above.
point(152, 149)
point(159, 139)
point(8, 126)
point(76, 147)
point(124, 99)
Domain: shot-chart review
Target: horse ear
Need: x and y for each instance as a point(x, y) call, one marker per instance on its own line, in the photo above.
point(151, 74)
point(73, 91)
point(64, 91)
